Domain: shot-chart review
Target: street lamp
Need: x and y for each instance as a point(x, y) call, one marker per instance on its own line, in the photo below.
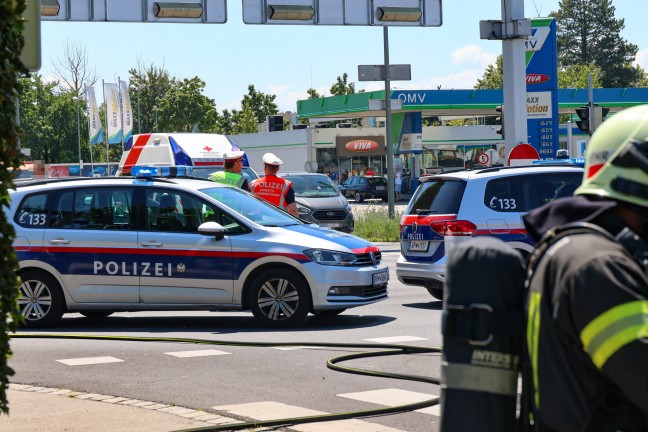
point(155, 109)
point(139, 118)
point(76, 102)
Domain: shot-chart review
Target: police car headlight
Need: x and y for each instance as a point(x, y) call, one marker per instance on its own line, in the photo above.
point(329, 257)
point(303, 210)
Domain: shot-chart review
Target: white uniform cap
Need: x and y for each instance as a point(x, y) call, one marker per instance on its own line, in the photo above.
point(271, 159)
point(233, 155)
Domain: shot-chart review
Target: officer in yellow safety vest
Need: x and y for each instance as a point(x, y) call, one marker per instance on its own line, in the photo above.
point(232, 174)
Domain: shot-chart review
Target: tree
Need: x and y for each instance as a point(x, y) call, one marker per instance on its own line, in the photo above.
point(186, 109)
point(588, 34)
point(312, 94)
point(493, 77)
point(341, 87)
point(576, 76)
point(259, 104)
point(74, 70)
point(11, 44)
point(153, 83)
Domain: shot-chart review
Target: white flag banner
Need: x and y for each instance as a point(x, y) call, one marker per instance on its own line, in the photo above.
point(113, 113)
point(127, 111)
point(95, 128)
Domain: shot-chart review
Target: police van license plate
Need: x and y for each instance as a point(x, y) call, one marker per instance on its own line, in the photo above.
point(380, 278)
point(418, 245)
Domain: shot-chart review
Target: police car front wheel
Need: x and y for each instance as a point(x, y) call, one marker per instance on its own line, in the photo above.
point(280, 298)
point(41, 303)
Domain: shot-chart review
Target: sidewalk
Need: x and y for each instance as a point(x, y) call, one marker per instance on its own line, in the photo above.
point(59, 410)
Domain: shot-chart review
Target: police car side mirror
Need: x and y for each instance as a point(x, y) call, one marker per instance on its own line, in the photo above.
point(212, 229)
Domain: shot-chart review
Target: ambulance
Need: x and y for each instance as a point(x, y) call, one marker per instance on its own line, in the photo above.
point(202, 151)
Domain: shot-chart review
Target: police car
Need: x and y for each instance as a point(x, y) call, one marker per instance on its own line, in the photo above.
point(102, 245)
point(453, 207)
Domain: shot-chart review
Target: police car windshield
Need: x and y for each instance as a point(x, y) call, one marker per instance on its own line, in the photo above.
point(252, 208)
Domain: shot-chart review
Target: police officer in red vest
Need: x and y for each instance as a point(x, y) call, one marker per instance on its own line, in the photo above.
point(274, 189)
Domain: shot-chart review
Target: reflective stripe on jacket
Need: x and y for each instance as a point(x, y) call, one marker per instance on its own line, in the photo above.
point(272, 189)
point(228, 178)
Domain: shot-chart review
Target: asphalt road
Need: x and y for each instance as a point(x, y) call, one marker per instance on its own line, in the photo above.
point(237, 381)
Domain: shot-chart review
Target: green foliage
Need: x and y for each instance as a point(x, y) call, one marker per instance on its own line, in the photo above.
point(185, 108)
point(576, 76)
point(373, 223)
point(493, 77)
point(11, 44)
point(589, 34)
point(259, 105)
point(154, 83)
point(312, 94)
point(342, 87)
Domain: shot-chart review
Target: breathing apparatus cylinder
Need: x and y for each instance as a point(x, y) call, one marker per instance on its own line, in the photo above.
point(483, 325)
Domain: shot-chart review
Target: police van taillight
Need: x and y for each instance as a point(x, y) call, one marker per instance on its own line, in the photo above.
point(454, 228)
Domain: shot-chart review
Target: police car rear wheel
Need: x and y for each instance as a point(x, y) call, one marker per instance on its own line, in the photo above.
point(279, 298)
point(42, 303)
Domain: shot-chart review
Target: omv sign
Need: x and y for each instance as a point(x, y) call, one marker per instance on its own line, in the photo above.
point(361, 146)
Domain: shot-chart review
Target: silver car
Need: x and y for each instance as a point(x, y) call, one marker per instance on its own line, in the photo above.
point(450, 208)
point(103, 245)
point(319, 201)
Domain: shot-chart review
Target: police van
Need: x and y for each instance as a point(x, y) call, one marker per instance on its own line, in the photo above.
point(102, 245)
point(202, 151)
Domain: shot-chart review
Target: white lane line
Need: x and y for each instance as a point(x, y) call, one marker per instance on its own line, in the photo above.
point(196, 353)
point(275, 410)
point(89, 361)
point(267, 410)
point(394, 397)
point(396, 339)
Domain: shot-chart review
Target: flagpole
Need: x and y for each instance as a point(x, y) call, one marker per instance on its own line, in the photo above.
point(89, 129)
point(121, 109)
point(103, 85)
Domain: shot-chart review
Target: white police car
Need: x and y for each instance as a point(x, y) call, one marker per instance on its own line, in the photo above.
point(455, 206)
point(98, 246)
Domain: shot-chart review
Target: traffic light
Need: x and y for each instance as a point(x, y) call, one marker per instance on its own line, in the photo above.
point(275, 123)
point(500, 120)
point(584, 116)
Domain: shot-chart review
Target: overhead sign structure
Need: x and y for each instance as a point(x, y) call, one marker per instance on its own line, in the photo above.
point(30, 56)
point(422, 13)
point(181, 11)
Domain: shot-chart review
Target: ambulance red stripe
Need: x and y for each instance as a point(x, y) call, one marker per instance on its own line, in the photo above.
point(135, 151)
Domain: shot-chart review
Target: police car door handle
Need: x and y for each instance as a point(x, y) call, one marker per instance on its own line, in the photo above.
point(59, 241)
point(151, 244)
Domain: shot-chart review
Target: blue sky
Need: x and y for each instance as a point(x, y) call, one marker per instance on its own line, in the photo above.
point(286, 60)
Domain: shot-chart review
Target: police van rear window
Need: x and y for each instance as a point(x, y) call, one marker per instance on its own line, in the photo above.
point(439, 196)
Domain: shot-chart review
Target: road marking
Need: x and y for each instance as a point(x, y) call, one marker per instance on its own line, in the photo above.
point(89, 361)
point(196, 353)
point(394, 397)
point(275, 410)
point(396, 339)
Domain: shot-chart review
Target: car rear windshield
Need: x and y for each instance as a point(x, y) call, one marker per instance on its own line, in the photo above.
point(376, 180)
point(438, 196)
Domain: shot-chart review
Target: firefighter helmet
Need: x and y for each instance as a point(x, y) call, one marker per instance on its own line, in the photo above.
point(616, 162)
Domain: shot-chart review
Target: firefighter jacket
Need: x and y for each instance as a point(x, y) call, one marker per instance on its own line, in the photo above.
point(275, 190)
point(230, 178)
point(587, 323)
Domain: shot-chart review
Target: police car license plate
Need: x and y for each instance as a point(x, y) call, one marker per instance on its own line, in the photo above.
point(418, 245)
point(380, 278)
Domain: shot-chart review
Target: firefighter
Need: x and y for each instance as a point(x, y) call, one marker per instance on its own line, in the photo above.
point(587, 304)
point(274, 189)
point(232, 173)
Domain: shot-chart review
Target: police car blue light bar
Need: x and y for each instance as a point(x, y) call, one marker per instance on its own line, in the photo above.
point(139, 171)
point(580, 162)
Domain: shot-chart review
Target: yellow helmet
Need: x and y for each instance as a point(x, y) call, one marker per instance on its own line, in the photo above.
point(616, 160)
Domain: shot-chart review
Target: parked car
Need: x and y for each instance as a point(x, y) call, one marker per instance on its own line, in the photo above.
point(110, 244)
point(452, 207)
point(364, 187)
point(319, 201)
